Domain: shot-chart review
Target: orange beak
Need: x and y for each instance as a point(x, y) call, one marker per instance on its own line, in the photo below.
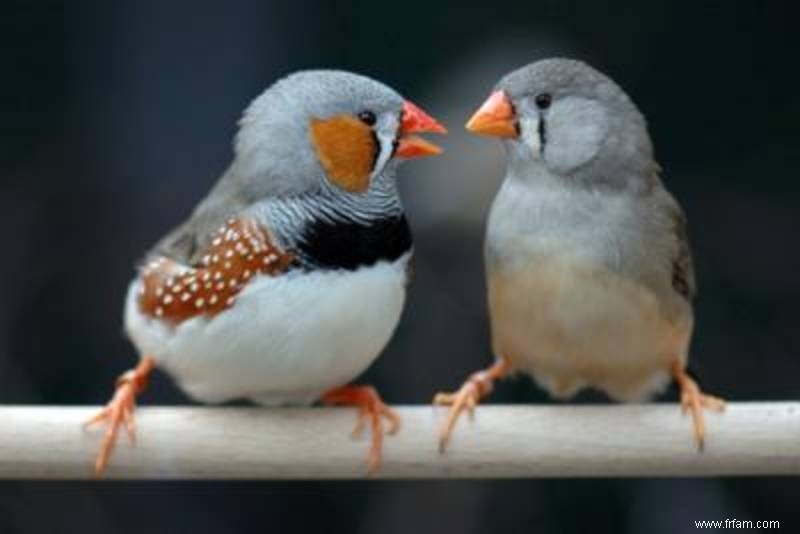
point(414, 120)
point(495, 117)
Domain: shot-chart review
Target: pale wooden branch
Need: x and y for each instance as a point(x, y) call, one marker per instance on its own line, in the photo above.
point(501, 441)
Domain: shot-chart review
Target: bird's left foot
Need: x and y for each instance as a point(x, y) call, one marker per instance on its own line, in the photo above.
point(370, 409)
point(120, 409)
point(694, 401)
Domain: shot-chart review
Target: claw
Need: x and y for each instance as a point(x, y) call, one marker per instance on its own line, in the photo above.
point(370, 408)
point(444, 399)
point(361, 422)
point(467, 397)
point(393, 418)
point(120, 411)
point(130, 421)
point(695, 402)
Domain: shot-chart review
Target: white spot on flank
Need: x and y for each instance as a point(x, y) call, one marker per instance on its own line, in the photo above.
point(199, 303)
point(194, 287)
point(185, 297)
point(159, 291)
point(167, 299)
point(216, 242)
point(212, 300)
point(159, 311)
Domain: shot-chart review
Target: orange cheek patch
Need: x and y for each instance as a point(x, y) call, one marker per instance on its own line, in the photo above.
point(239, 251)
point(347, 149)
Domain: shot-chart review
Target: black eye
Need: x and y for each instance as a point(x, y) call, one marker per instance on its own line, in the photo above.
point(543, 100)
point(367, 117)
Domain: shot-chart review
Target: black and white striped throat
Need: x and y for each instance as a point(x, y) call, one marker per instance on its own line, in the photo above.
point(337, 231)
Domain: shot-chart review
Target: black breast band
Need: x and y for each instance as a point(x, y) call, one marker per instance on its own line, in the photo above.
point(350, 245)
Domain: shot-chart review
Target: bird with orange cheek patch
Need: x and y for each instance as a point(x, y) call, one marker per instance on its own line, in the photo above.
point(289, 278)
point(589, 272)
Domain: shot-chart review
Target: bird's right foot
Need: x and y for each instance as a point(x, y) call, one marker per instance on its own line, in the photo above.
point(477, 386)
point(372, 410)
point(694, 401)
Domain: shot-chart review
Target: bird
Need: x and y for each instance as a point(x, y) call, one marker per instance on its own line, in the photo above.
point(590, 278)
point(288, 279)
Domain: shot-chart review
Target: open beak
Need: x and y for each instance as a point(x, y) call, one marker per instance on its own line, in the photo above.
point(495, 117)
point(414, 120)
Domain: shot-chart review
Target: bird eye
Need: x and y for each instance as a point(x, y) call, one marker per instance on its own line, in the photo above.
point(367, 117)
point(543, 100)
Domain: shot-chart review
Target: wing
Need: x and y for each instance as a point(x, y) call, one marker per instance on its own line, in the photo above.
point(187, 242)
point(683, 280)
point(673, 222)
point(180, 245)
point(174, 291)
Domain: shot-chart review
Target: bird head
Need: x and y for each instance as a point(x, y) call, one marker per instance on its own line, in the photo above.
point(568, 117)
point(328, 129)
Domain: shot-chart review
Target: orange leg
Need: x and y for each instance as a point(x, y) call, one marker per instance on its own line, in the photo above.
point(370, 408)
point(119, 410)
point(477, 386)
point(694, 401)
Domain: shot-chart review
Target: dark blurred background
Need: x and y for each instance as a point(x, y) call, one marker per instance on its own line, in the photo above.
point(116, 117)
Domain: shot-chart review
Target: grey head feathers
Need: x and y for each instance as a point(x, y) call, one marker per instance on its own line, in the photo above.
point(276, 173)
point(577, 123)
point(272, 151)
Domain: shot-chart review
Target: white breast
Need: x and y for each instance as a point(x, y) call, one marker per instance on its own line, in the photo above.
point(286, 340)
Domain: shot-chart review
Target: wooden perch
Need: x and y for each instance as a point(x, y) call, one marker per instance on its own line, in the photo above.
point(48, 442)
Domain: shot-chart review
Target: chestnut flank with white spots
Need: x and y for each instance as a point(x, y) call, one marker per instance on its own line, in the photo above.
point(239, 250)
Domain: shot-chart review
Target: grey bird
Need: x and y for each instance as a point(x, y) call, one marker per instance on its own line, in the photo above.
point(289, 278)
point(589, 271)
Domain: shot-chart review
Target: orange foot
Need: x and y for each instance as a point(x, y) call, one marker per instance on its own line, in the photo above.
point(477, 386)
point(119, 410)
point(695, 401)
point(370, 407)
